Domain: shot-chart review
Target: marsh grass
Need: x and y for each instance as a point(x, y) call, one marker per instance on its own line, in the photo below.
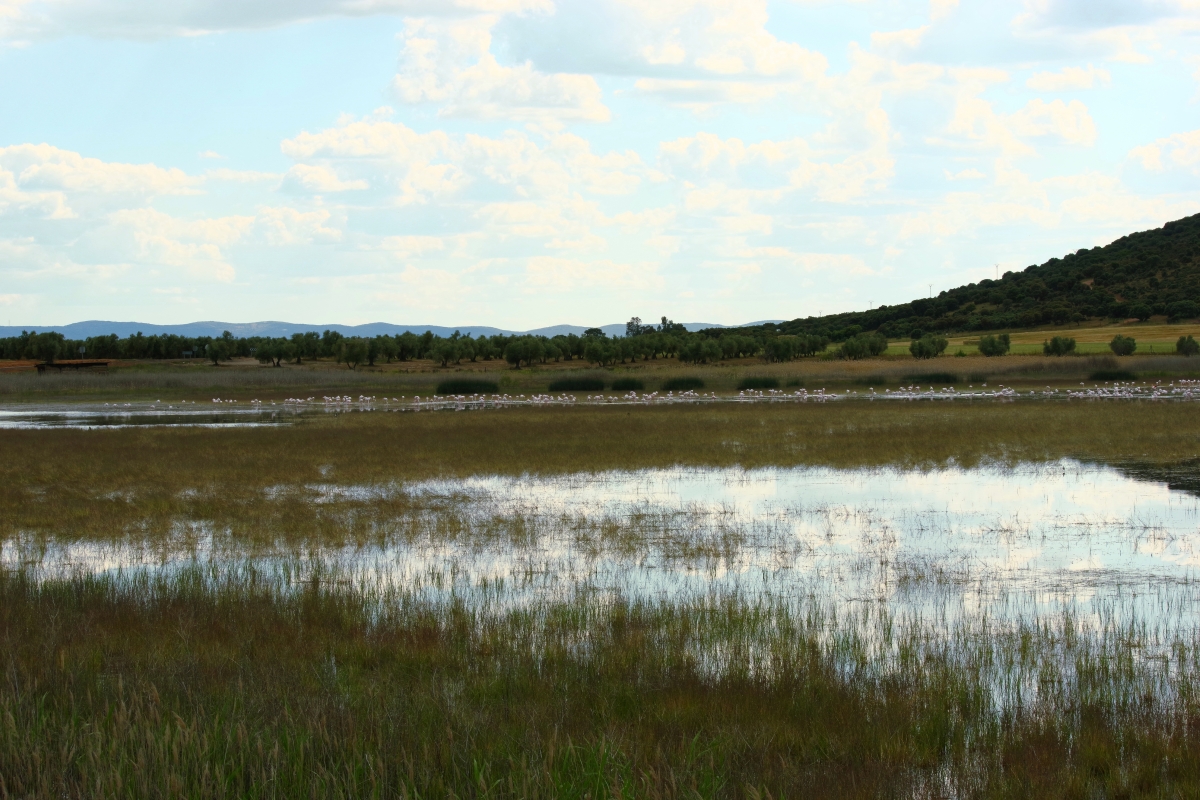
point(267, 669)
point(238, 683)
point(101, 484)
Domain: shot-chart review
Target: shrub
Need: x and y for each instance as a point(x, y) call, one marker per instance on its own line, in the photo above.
point(863, 345)
point(761, 382)
point(1122, 345)
point(1058, 346)
point(994, 345)
point(795, 382)
point(682, 384)
point(628, 385)
point(928, 346)
point(577, 384)
point(1112, 375)
point(1187, 346)
point(466, 386)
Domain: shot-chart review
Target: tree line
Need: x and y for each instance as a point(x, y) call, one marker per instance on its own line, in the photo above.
point(668, 340)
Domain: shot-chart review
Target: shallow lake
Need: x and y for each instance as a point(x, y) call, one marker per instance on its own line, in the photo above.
point(944, 546)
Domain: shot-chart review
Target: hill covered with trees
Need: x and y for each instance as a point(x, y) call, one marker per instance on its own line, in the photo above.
point(1151, 273)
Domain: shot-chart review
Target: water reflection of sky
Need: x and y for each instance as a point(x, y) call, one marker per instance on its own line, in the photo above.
point(947, 544)
point(90, 416)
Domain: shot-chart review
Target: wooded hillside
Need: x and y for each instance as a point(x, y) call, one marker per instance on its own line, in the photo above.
point(1151, 273)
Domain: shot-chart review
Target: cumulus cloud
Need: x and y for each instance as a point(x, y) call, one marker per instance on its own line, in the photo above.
point(48, 168)
point(976, 120)
point(1070, 122)
point(1069, 78)
point(1178, 150)
point(316, 178)
point(450, 64)
point(731, 156)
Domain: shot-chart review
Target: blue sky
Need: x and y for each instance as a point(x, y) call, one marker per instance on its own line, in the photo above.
point(522, 163)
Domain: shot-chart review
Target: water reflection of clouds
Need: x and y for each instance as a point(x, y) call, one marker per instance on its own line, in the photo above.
point(951, 543)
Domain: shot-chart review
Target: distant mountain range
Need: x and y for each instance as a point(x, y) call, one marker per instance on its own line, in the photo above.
point(82, 330)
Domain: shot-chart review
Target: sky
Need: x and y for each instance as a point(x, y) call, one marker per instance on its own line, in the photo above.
point(522, 163)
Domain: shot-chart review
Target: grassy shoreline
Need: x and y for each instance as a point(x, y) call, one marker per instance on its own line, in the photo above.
point(245, 381)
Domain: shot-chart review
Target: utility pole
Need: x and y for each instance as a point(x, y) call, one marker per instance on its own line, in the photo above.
point(931, 291)
point(997, 266)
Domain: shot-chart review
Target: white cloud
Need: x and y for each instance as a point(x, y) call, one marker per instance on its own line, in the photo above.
point(152, 19)
point(409, 246)
point(1179, 150)
point(1070, 122)
point(450, 64)
point(1118, 30)
point(892, 41)
point(939, 9)
point(44, 167)
point(210, 154)
point(794, 163)
point(965, 175)
point(548, 273)
point(1068, 78)
point(316, 178)
point(975, 119)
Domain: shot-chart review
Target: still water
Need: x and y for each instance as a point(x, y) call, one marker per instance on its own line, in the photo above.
point(947, 545)
point(91, 416)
